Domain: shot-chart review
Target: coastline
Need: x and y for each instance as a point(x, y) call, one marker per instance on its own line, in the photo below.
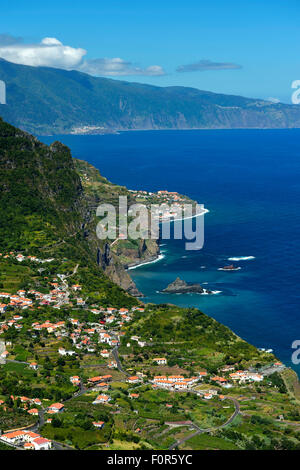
point(161, 256)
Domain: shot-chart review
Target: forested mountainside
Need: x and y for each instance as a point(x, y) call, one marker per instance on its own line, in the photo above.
point(45, 100)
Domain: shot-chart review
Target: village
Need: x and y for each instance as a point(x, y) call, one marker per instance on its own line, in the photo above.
point(100, 338)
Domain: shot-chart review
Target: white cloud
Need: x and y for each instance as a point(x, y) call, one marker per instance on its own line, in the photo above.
point(50, 52)
point(118, 67)
point(204, 65)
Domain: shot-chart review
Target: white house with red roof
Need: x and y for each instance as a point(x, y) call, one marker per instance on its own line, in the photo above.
point(56, 408)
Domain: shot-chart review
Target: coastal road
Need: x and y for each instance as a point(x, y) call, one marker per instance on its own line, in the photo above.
point(201, 431)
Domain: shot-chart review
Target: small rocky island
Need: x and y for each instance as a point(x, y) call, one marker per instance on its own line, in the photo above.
point(179, 286)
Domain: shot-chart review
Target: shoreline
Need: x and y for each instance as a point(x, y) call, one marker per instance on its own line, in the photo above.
point(189, 129)
point(161, 256)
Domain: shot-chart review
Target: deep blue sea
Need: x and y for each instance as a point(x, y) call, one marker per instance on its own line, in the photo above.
point(250, 182)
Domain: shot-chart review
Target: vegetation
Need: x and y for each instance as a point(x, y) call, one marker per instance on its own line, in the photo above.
point(77, 99)
point(44, 201)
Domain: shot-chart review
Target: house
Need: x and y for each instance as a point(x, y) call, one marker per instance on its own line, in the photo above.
point(255, 377)
point(95, 380)
point(29, 446)
point(104, 353)
point(219, 380)
point(75, 380)
point(40, 443)
point(56, 408)
point(134, 395)
point(110, 319)
point(63, 352)
point(24, 399)
point(98, 424)
point(123, 310)
point(13, 437)
point(160, 361)
point(133, 380)
point(37, 401)
point(180, 386)
point(18, 317)
point(202, 374)
point(5, 295)
point(33, 412)
point(33, 365)
point(112, 365)
point(106, 378)
point(103, 386)
point(101, 399)
point(76, 287)
point(3, 308)
point(207, 396)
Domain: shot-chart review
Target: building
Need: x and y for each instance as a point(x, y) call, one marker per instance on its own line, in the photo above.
point(101, 399)
point(98, 424)
point(133, 380)
point(160, 361)
point(40, 443)
point(33, 365)
point(56, 408)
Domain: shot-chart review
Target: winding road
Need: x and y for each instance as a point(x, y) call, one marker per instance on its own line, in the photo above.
point(201, 431)
point(115, 353)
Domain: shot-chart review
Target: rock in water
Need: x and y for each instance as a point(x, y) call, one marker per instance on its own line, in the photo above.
point(179, 286)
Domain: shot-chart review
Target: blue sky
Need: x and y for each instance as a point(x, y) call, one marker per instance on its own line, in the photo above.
point(244, 47)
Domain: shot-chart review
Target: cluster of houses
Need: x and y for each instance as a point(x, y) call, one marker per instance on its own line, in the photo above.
point(164, 199)
point(26, 404)
point(27, 439)
point(19, 257)
point(174, 382)
point(15, 300)
point(162, 195)
point(84, 335)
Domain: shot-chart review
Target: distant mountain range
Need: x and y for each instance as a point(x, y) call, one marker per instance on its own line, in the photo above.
point(45, 100)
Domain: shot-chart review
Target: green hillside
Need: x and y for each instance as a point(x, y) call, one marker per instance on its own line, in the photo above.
point(46, 100)
point(69, 334)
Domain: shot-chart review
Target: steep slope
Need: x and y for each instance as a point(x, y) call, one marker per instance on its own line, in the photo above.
point(43, 206)
point(46, 100)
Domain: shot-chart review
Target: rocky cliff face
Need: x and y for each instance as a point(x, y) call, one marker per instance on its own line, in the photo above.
point(112, 258)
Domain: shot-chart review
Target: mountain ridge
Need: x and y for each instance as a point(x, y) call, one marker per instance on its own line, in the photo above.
point(43, 100)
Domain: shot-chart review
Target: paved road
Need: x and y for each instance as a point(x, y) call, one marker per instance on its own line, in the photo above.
point(201, 431)
point(115, 353)
point(2, 349)
point(195, 426)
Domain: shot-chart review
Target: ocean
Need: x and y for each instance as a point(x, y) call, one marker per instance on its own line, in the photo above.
point(249, 180)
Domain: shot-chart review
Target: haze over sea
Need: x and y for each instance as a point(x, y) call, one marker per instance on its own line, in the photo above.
point(250, 182)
